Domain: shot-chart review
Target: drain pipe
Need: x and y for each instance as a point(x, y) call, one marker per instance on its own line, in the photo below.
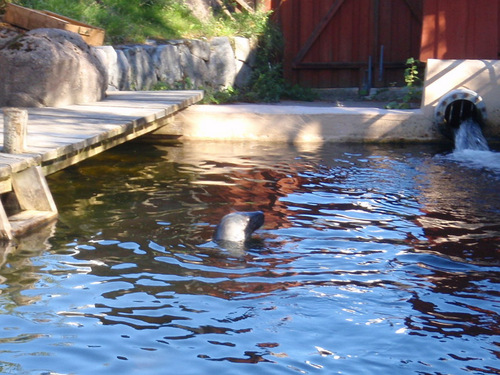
point(457, 106)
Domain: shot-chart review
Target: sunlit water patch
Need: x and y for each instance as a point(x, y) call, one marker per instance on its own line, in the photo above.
point(372, 260)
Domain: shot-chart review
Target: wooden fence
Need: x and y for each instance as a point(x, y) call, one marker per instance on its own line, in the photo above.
point(461, 29)
point(348, 43)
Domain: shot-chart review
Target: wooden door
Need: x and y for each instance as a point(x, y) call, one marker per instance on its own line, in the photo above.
point(333, 43)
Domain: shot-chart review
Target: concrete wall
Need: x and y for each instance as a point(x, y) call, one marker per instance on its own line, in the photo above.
point(224, 62)
point(304, 123)
point(180, 64)
point(482, 77)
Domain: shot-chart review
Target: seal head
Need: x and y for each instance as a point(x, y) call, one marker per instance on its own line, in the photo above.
point(238, 226)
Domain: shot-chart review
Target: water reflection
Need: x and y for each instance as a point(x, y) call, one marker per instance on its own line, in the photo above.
point(19, 272)
point(372, 260)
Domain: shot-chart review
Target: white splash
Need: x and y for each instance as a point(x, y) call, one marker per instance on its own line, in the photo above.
point(471, 148)
point(469, 136)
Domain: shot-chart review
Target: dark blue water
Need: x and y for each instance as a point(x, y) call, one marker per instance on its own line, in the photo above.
point(372, 260)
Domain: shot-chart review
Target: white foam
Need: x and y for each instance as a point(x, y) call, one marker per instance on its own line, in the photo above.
point(477, 159)
point(469, 136)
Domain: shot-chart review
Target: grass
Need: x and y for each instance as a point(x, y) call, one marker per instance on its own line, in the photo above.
point(135, 21)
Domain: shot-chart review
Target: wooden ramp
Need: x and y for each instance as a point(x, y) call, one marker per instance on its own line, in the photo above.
point(60, 137)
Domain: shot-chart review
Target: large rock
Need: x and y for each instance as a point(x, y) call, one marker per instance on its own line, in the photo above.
point(6, 36)
point(141, 66)
point(115, 67)
point(50, 67)
point(199, 48)
point(245, 51)
point(182, 63)
point(195, 71)
point(222, 66)
point(167, 64)
point(125, 70)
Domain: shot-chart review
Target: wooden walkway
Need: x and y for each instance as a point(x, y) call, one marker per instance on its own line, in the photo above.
point(60, 137)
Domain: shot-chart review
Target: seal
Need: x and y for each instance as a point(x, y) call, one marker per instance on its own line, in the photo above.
point(238, 226)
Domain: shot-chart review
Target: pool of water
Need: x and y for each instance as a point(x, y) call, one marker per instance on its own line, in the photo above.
point(372, 260)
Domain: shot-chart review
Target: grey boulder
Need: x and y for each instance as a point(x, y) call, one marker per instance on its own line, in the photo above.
point(50, 68)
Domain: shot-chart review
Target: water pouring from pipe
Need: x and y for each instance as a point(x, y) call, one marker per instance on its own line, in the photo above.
point(471, 147)
point(468, 136)
point(461, 116)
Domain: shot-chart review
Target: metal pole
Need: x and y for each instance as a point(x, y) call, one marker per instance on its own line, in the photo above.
point(370, 73)
point(381, 64)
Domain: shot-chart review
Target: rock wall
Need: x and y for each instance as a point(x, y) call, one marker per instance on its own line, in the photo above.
point(218, 63)
point(48, 67)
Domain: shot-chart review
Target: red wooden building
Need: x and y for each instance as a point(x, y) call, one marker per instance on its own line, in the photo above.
point(351, 43)
point(460, 29)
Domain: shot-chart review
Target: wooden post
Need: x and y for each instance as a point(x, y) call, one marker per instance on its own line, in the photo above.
point(15, 125)
point(32, 191)
point(5, 227)
point(35, 201)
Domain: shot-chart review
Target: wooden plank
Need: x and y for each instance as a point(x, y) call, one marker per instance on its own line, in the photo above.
point(317, 32)
point(332, 65)
point(347, 31)
point(27, 221)
point(74, 153)
point(350, 34)
point(284, 16)
point(460, 29)
point(308, 14)
point(498, 30)
point(415, 9)
point(455, 12)
point(482, 40)
point(58, 137)
point(19, 162)
point(33, 19)
point(244, 5)
point(32, 191)
point(90, 34)
point(5, 225)
point(184, 97)
point(100, 111)
point(428, 46)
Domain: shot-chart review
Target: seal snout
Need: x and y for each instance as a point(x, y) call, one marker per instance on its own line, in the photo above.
point(239, 226)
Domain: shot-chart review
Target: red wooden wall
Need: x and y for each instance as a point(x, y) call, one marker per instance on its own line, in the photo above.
point(328, 43)
point(460, 29)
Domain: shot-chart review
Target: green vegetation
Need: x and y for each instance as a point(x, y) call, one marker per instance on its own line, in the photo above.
point(267, 83)
point(413, 81)
point(135, 21)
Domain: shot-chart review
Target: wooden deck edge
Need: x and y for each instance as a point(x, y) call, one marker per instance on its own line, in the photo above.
point(24, 174)
point(18, 162)
point(27, 221)
point(65, 156)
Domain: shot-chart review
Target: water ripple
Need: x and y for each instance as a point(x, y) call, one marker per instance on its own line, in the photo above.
point(371, 260)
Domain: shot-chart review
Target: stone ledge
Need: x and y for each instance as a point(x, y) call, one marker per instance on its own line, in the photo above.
point(304, 124)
